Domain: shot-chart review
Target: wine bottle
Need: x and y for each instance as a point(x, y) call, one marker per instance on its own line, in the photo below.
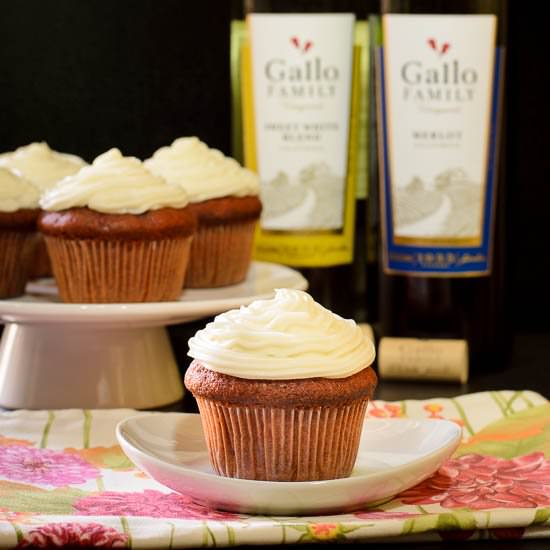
point(442, 194)
point(300, 81)
point(373, 211)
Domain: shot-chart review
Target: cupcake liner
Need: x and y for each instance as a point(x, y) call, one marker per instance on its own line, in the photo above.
point(40, 265)
point(16, 253)
point(92, 271)
point(220, 254)
point(274, 444)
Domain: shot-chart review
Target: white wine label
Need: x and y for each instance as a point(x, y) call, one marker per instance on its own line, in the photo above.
point(439, 99)
point(302, 68)
point(417, 359)
point(301, 102)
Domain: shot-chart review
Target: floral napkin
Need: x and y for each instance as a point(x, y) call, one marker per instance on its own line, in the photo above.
point(64, 480)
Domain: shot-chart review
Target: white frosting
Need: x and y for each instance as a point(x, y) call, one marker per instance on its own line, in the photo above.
point(114, 184)
point(41, 165)
point(203, 172)
point(16, 192)
point(288, 337)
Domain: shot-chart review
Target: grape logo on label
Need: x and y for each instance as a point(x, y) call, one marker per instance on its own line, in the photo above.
point(440, 50)
point(295, 41)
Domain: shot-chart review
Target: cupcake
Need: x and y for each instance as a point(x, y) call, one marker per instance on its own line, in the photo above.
point(117, 233)
point(40, 164)
point(18, 213)
point(44, 167)
point(282, 387)
point(224, 197)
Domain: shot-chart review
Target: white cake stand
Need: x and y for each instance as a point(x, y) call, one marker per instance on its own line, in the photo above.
point(55, 355)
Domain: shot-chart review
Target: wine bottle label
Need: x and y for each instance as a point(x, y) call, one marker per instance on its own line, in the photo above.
point(439, 99)
point(300, 108)
point(416, 359)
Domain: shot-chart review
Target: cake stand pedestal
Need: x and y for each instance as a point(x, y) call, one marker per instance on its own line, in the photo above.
point(80, 366)
point(55, 355)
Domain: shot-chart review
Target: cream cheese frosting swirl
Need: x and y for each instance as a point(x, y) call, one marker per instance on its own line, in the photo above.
point(288, 337)
point(16, 192)
point(203, 172)
point(114, 184)
point(41, 165)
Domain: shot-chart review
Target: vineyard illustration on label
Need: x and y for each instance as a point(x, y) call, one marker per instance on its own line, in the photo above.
point(313, 200)
point(450, 207)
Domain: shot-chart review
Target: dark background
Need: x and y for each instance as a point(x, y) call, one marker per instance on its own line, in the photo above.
point(88, 75)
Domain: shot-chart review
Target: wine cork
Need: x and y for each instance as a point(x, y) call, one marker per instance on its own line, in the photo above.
point(418, 359)
point(367, 331)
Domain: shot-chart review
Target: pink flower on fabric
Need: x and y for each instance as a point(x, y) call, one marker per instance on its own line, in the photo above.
point(483, 482)
point(148, 503)
point(44, 466)
point(73, 535)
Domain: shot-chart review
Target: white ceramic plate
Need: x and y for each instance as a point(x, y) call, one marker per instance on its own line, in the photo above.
point(394, 454)
point(41, 303)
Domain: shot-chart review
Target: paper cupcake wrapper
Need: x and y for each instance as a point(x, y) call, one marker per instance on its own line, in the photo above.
point(16, 252)
point(220, 255)
point(40, 265)
point(273, 444)
point(103, 271)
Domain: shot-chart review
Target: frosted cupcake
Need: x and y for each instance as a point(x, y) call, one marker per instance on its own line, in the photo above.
point(282, 387)
point(40, 164)
point(224, 197)
point(18, 213)
point(117, 233)
point(44, 167)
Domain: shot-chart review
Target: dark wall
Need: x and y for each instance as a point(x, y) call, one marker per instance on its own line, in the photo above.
point(88, 75)
point(528, 154)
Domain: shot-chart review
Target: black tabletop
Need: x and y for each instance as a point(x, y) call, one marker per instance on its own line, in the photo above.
point(526, 369)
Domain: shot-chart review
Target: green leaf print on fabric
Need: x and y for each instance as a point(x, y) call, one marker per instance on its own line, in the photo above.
point(419, 524)
point(19, 497)
point(520, 434)
point(112, 458)
point(458, 520)
point(86, 428)
point(542, 516)
point(46, 431)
